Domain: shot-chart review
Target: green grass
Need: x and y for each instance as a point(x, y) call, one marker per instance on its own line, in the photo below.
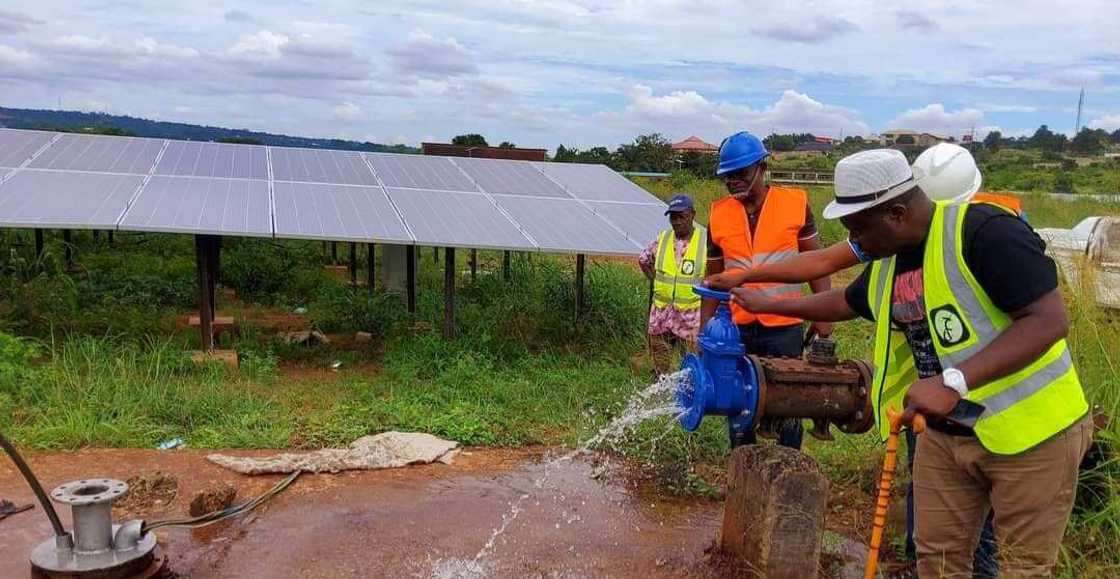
point(101, 359)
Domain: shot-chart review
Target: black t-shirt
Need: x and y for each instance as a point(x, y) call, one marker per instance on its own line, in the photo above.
point(1005, 255)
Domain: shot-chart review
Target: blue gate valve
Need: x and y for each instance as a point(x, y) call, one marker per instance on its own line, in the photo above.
point(721, 380)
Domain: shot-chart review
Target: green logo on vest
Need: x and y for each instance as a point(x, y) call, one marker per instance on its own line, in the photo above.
point(688, 267)
point(948, 326)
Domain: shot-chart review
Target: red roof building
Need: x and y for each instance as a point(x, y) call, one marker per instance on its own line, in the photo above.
point(513, 153)
point(695, 144)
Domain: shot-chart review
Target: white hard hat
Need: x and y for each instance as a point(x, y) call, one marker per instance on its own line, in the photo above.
point(947, 172)
point(867, 179)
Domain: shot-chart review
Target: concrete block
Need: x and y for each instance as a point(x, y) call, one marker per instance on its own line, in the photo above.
point(227, 357)
point(774, 512)
point(394, 268)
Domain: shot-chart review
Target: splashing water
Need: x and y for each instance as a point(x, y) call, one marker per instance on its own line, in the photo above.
point(651, 402)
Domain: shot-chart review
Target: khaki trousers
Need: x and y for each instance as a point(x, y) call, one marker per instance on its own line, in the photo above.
point(956, 483)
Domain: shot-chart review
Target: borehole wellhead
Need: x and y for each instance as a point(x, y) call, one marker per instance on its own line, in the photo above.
point(98, 547)
point(722, 381)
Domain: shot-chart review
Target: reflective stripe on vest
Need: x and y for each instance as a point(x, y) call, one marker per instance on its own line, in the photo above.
point(775, 239)
point(671, 285)
point(1022, 409)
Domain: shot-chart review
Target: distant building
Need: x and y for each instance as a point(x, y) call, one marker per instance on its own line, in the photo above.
point(695, 144)
point(815, 147)
point(911, 140)
point(826, 140)
point(514, 153)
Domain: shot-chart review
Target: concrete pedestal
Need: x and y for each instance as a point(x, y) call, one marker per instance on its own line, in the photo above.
point(394, 270)
point(774, 515)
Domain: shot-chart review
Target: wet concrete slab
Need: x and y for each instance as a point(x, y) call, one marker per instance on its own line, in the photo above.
point(570, 518)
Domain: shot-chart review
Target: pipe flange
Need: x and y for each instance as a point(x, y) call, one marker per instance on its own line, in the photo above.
point(760, 376)
point(85, 492)
point(863, 420)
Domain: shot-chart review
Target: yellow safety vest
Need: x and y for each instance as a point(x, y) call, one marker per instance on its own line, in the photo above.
point(672, 282)
point(1022, 409)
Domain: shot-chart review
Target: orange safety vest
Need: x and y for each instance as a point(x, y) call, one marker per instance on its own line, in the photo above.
point(775, 239)
point(1006, 201)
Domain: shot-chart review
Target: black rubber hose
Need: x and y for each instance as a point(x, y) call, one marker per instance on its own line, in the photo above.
point(35, 486)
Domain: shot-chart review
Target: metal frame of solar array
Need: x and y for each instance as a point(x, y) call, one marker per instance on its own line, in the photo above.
point(76, 181)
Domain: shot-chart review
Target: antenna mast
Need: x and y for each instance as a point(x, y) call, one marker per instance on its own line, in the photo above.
point(1080, 105)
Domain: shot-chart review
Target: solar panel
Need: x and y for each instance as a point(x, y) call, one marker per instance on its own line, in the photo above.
point(213, 160)
point(640, 222)
point(337, 212)
point(457, 219)
point(45, 199)
point(201, 205)
point(565, 225)
point(419, 172)
point(81, 180)
point(16, 147)
point(100, 154)
point(595, 183)
point(509, 178)
point(316, 166)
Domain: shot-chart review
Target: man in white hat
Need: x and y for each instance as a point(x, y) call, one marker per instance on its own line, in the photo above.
point(975, 345)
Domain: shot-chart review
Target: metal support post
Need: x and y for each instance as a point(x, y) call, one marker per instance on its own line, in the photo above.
point(38, 243)
point(474, 265)
point(353, 263)
point(580, 259)
point(410, 277)
point(205, 309)
point(68, 248)
point(506, 265)
point(371, 255)
point(449, 294)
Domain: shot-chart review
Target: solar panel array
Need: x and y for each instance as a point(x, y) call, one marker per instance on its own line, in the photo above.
point(55, 180)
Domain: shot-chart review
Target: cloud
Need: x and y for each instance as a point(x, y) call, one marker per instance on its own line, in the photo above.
point(934, 118)
point(999, 108)
point(911, 20)
point(821, 29)
point(681, 113)
point(346, 112)
point(262, 44)
point(302, 56)
point(15, 23)
point(426, 56)
point(238, 16)
point(1108, 122)
point(13, 59)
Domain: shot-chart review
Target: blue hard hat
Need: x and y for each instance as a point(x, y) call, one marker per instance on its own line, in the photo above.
point(739, 151)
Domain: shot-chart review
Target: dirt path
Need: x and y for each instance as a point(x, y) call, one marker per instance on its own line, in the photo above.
point(426, 521)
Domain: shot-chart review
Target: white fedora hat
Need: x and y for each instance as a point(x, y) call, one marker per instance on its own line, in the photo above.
point(867, 179)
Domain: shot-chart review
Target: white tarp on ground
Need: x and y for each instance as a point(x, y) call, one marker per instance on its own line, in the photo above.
point(1094, 243)
point(385, 450)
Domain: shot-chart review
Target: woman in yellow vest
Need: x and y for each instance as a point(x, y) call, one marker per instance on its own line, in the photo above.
point(674, 263)
point(970, 332)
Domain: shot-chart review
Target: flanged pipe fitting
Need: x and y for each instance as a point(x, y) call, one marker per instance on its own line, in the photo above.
point(99, 548)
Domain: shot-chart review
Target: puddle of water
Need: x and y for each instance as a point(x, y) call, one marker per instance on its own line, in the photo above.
point(656, 400)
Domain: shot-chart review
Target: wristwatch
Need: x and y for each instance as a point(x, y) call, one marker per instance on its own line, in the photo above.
point(953, 379)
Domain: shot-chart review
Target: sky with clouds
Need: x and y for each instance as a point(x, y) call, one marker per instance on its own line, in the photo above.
point(578, 72)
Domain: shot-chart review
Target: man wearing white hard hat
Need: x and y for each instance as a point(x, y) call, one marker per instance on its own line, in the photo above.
point(944, 172)
point(974, 345)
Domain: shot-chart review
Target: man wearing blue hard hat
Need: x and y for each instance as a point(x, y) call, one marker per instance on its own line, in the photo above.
point(755, 225)
point(674, 263)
